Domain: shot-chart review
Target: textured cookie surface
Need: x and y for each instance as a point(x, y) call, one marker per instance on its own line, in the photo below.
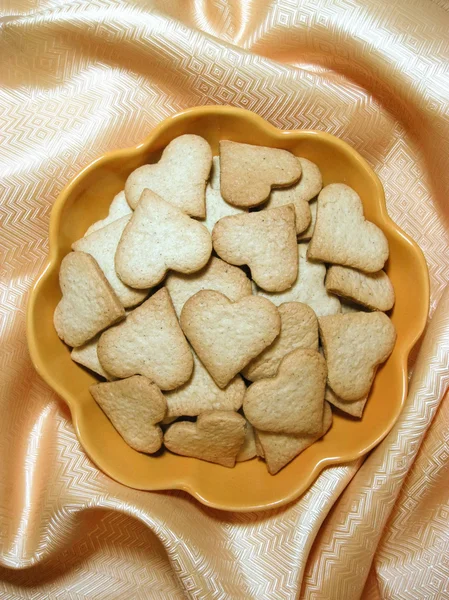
point(308, 288)
point(216, 275)
point(292, 402)
point(299, 329)
point(342, 235)
point(373, 290)
point(102, 245)
point(119, 208)
point(265, 241)
point(300, 194)
point(217, 437)
point(227, 335)
point(179, 177)
point(201, 394)
point(355, 408)
point(88, 304)
point(87, 356)
point(160, 237)
point(354, 345)
point(279, 449)
point(134, 406)
point(247, 173)
point(149, 342)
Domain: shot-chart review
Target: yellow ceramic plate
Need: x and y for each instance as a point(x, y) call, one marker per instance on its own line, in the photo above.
point(248, 486)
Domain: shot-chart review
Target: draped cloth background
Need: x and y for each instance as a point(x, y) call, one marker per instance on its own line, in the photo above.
point(80, 77)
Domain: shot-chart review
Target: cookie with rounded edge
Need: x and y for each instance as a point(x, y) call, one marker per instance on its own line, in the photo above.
point(355, 408)
point(87, 356)
point(373, 290)
point(179, 177)
point(342, 235)
point(300, 194)
point(354, 345)
point(299, 329)
point(306, 235)
point(279, 449)
point(217, 275)
point(292, 401)
point(227, 335)
point(248, 449)
point(217, 437)
point(308, 288)
point(160, 237)
point(102, 245)
point(265, 241)
point(88, 304)
point(248, 173)
point(201, 394)
point(150, 343)
point(134, 406)
point(119, 208)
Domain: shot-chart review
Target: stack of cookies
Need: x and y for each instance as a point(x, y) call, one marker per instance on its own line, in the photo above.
point(231, 303)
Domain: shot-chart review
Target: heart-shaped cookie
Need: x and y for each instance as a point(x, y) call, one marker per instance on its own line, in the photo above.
point(265, 241)
point(227, 335)
point(373, 290)
point(299, 329)
point(216, 275)
point(134, 406)
point(247, 173)
point(217, 437)
point(88, 304)
point(179, 177)
point(308, 288)
point(160, 237)
point(342, 235)
point(279, 449)
point(119, 208)
point(292, 401)
point(149, 342)
point(299, 194)
point(102, 245)
point(201, 394)
point(354, 345)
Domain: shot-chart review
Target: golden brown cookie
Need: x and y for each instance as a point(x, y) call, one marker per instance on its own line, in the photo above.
point(179, 177)
point(88, 304)
point(248, 173)
point(342, 235)
point(134, 406)
point(227, 335)
point(373, 290)
point(265, 241)
point(149, 342)
point(355, 344)
point(291, 402)
point(217, 437)
point(160, 237)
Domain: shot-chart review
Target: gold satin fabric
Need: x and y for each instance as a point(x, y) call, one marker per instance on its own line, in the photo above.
point(82, 77)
